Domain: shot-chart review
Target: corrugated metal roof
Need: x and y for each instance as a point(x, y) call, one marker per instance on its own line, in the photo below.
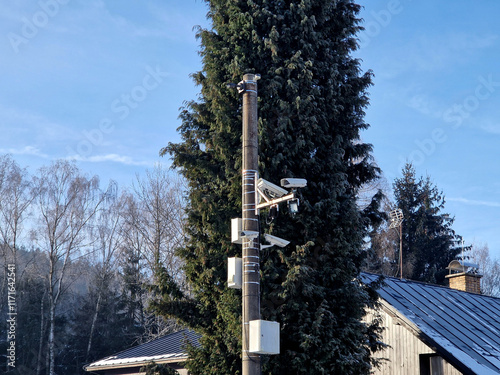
point(165, 349)
point(464, 328)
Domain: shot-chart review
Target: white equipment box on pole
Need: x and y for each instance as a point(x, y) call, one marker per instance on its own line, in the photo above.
point(234, 279)
point(264, 337)
point(236, 226)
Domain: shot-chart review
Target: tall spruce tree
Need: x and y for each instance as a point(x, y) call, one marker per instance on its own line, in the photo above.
point(312, 97)
point(429, 242)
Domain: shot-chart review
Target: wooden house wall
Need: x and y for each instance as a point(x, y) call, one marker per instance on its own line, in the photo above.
point(402, 357)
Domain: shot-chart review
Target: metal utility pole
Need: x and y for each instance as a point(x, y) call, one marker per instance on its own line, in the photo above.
point(250, 223)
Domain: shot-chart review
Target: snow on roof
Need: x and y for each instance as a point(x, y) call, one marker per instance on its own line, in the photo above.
point(113, 361)
point(463, 327)
point(169, 348)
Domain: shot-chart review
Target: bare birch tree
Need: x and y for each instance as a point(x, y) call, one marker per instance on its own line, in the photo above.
point(489, 267)
point(158, 218)
point(107, 231)
point(15, 200)
point(154, 230)
point(132, 259)
point(66, 202)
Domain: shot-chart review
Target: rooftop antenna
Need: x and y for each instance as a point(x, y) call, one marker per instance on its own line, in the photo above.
point(396, 217)
point(463, 252)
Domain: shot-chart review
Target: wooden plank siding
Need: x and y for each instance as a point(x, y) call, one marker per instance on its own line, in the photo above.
point(405, 350)
point(463, 328)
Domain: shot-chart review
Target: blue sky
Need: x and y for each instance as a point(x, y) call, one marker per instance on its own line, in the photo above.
point(102, 82)
point(436, 102)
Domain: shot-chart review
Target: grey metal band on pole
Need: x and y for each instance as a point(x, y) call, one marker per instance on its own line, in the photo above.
point(251, 247)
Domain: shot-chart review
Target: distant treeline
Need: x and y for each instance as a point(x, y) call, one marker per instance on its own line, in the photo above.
point(77, 260)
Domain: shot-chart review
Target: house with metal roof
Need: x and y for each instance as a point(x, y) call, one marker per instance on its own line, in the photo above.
point(168, 350)
point(436, 330)
point(428, 330)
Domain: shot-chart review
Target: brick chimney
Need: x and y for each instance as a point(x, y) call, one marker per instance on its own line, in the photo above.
point(464, 276)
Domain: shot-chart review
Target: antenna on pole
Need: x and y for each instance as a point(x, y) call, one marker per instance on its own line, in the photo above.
point(397, 218)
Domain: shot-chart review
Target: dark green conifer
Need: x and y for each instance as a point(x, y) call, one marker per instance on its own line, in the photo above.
point(429, 242)
point(312, 97)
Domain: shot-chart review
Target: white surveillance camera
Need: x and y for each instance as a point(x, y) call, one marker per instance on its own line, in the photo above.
point(249, 234)
point(293, 182)
point(276, 240)
point(271, 190)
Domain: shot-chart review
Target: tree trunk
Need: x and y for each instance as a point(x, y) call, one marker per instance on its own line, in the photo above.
point(42, 334)
point(92, 328)
point(52, 322)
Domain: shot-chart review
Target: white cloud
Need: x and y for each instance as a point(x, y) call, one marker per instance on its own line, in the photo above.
point(164, 20)
point(115, 158)
point(425, 105)
point(435, 52)
point(491, 127)
point(178, 23)
point(474, 202)
point(32, 128)
point(431, 52)
point(27, 150)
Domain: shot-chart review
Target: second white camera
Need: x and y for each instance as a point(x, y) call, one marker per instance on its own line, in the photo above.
point(292, 183)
